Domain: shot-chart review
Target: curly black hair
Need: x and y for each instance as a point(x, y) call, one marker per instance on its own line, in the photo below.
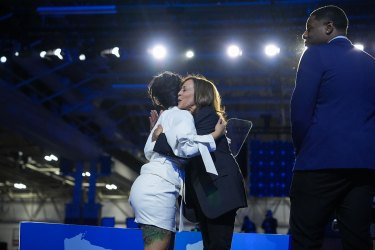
point(163, 89)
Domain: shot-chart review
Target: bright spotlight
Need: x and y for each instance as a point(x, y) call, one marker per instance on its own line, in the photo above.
point(43, 54)
point(116, 51)
point(47, 54)
point(86, 174)
point(3, 59)
point(111, 186)
point(159, 52)
point(53, 157)
point(19, 185)
point(271, 50)
point(113, 51)
point(57, 52)
point(82, 57)
point(234, 51)
point(189, 54)
point(359, 46)
point(16, 53)
point(50, 157)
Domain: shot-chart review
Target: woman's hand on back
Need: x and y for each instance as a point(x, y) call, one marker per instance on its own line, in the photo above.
point(154, 116)
point(157, 132)
point(220, 129)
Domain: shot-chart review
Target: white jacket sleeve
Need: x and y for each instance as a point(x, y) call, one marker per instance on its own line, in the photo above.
point(184, 141)
point(182, 136)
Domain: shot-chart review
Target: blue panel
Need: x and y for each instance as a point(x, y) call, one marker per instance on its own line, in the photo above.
point(92, 181)
point(46, 236)
point(260, 241)
point(130, 223)
point(271, 165)
point(78, 179)
point(77, 10)
point(193, 240)
point(92, 211)
point(73, 212)
point(108, 222)
point(188, 240)
point(105, 165)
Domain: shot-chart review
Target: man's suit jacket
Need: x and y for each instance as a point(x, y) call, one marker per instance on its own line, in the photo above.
point(333, 108)
point(216, 194)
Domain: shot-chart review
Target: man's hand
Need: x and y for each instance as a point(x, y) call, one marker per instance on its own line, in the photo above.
point(220, 129)
point(157, 132)
point(154, 116)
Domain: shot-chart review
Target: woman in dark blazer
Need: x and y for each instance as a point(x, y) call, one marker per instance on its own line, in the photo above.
point(214, 199)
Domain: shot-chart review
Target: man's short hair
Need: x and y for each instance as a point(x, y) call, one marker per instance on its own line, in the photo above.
point(332, 13)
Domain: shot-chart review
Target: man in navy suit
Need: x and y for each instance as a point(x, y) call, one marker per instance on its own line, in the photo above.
point(333, 130)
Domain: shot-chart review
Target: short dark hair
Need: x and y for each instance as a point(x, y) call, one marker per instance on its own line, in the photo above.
point(165, 87)
point(334, 14)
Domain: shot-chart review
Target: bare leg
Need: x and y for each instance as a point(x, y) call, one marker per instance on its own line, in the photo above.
point(155, 238)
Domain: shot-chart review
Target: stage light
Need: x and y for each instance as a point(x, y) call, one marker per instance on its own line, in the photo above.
point(111, 186)
point(50, 157)
point(359, 46)
point(82, 57)
point(3, 59)
point(271, 50)
point(189, 54)
point(43, 54)
point(159, 52)
point(112, 51)
point(86, 174)
point(234, 51)
point(19, 186)
point(16, 53)
point(116, 51)
point(57, 52)
point(53, 157)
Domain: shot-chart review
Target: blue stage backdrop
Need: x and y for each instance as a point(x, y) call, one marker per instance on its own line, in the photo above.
point(271, 165)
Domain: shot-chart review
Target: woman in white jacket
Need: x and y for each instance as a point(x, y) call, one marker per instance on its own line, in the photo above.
point(154, 193)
